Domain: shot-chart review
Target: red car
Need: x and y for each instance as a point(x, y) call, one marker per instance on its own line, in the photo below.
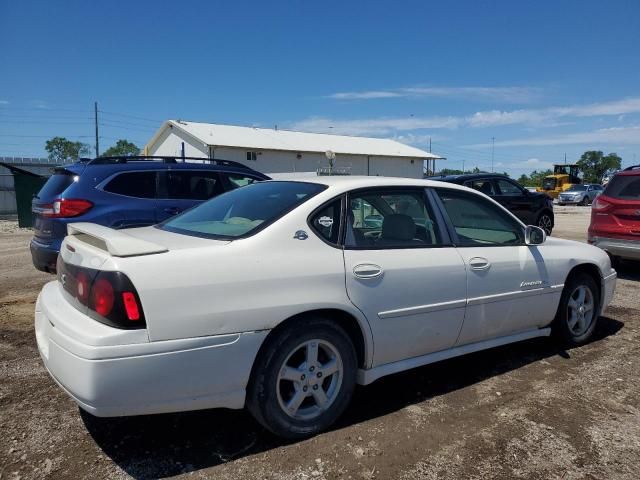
point(615, 216)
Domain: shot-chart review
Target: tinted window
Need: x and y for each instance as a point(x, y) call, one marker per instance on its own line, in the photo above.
point(388, 218)
point(242, 211)
point(133, 184)
point(236, 181)
point(193, 185)
point(56, 184)
point(624, 186)
point(479, 222)
point(508, 189)
point(326, 222)
point(484, 186)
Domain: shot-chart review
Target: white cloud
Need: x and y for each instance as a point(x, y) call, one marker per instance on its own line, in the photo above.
point(373, 126)
point(505, 94)
point(617, 135)
point(4, 102)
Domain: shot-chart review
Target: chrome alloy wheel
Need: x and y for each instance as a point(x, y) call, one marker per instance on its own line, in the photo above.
point(309, 379)
point(580, 310)
point(545, 223)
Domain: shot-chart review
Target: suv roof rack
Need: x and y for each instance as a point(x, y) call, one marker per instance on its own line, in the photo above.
point(163, 159)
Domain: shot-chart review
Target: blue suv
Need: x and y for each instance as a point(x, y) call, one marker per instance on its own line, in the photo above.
point(125, 192)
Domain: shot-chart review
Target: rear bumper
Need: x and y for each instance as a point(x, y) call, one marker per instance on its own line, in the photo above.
point(618, 247)
point(109, 376)
point(43, 256)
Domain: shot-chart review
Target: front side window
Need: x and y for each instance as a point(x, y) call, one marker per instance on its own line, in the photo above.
point(390, 219)
point(478, 222)
point(484, 186)
point(192, 185)
point(508, 189)
point(243, 211)
point(133, 184)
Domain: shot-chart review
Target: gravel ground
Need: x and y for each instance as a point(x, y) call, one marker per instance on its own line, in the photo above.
point(529, 410)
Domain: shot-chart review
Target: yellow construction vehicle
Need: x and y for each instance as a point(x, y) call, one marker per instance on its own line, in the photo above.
point(563, 178)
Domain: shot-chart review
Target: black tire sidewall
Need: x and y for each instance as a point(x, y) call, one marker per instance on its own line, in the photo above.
point(561, 327)
point(262, 397)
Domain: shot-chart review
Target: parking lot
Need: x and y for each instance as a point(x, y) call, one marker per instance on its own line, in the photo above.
point(528, 410)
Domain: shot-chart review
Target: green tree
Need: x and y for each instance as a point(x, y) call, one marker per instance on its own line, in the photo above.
point(63, 150)
point(595, 164)
point(524, 180)
point(122, 147)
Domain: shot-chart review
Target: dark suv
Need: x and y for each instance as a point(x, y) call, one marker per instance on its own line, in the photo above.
point(532, 208)
point(124, 192)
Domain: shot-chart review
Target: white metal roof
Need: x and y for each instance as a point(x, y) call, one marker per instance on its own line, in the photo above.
point(271, 139)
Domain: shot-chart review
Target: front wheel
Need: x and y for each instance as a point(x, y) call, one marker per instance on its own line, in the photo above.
point(578, 311)
point(545, 222)
point(303, 379)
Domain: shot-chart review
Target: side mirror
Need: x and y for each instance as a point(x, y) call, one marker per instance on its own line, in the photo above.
point(534, 235)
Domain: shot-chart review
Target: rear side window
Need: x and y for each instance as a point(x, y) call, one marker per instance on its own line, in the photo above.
point(133, 184)
point(626, 187)
point(390, 219)
point(484, 186)
point(57, 183)
point(193, 185)
point(478, 222)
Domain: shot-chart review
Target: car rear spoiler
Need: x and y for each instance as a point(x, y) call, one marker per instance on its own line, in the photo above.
point(116, 242)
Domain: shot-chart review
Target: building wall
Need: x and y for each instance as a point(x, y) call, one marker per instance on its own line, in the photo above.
point(170, 143)
point(278, 161)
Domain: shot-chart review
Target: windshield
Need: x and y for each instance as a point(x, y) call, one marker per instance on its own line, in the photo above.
point(577, 188)
point(549, 183)
point(243, 211)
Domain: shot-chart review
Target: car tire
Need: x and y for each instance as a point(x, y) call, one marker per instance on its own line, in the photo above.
point(303, 379)
point(578, 311)
point(584, 201)
point(545, 221)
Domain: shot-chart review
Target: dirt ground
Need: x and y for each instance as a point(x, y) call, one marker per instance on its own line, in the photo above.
point(529, 410)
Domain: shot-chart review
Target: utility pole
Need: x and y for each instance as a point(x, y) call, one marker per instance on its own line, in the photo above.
point(493, 147)
point(95, 111)
point(565, 158)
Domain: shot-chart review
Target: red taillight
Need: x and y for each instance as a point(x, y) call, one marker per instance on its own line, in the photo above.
point(600, 205)
point(82, 287)
point(67, 207)
point(102, 296)
point(131, 306)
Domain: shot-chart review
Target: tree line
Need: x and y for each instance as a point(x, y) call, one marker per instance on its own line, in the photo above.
point(63, 150)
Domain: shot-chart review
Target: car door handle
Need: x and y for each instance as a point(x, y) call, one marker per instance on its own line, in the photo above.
point(367, 270)
point(479, 263)
point(172, 210)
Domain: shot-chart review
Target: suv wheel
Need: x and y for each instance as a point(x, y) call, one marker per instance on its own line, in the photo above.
point(304, 378)
point(578, 311)
point(545, 222)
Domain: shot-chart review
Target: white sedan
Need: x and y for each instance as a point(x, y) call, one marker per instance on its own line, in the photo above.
point(283, 295)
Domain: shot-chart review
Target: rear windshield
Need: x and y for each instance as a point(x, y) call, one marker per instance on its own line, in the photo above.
point(243, 211)
point(624, 186)
point(57, 183)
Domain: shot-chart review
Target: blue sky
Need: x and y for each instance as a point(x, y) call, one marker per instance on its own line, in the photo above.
point(543, 78)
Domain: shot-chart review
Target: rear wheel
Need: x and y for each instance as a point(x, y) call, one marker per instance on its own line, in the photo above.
point(545, 222)
point(584, 201)
point(304, 378)
point(578, 311)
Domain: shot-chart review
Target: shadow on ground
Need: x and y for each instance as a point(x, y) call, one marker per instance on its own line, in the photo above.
point(159, 446)
point(628, 270)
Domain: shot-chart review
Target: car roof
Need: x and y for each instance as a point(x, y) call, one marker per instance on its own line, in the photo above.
point(633, 170)
point(344, 183)
point(466, 176)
